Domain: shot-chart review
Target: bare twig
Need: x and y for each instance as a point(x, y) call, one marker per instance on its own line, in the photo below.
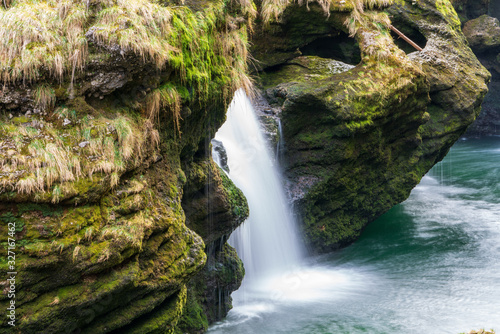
point(409, 41)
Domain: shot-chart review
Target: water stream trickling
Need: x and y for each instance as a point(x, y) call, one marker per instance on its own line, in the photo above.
point(430, 265)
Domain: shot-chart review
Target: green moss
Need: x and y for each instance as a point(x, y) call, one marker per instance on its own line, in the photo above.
point(45, 209)
point(20, 120)
point(165, 319)
point(194, 317)
point(238, 201)
point(209, 291)
point(445, 7)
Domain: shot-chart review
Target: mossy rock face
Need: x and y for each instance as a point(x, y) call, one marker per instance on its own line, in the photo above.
point(483, 37)
point(96, 149)
point(209, 293)
point(214, 206)
point(483, 34)
point(471, 9)
point(106, 264)
point(357, 142)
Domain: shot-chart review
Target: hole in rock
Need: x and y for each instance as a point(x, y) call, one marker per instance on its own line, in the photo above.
point(410, 32)
point(340, 47)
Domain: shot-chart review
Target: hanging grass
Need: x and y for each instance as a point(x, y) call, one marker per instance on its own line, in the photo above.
point(42, 34)
point(273, 9)
point(39, 160)
point(53, 36)
point(206, 51)
point(140, 26)
point(45, 97)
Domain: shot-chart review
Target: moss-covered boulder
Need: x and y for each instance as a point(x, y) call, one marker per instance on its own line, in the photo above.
point(358, 141)
point(483, 34)
point(483, 37)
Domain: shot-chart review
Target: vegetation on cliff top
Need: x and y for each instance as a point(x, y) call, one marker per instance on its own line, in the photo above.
point(48, 51)
point(273, 9)
point(55, 38)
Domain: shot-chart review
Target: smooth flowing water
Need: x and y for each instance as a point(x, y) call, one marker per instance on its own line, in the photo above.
point(267, 242)
point(430, 265)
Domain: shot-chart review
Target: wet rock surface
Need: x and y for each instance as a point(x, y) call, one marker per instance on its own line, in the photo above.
point(357, 142)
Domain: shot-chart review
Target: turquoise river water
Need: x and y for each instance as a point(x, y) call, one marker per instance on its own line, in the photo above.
point(429, 265)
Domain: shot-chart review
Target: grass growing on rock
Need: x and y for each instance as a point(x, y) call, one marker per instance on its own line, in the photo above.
point(72, 144)
point(44, 155)
point(201, 47)
point(51, 36)
point(206, 50)
point(273, 9)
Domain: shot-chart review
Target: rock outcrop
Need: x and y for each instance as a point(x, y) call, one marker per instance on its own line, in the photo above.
point(106, 109)
point(359, 140)
point(483, 35)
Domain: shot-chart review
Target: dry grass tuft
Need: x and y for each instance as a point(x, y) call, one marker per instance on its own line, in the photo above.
point(76, 251)
point(42, 39)
point(359, 19)
point(42, 160)
point(141, 26)
point(165, 97)
point(131, 230)
point(45, 97)
point(272, 9)
point(206, 50)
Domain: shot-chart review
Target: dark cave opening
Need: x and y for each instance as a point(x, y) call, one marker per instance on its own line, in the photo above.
point(412, 33)
point(340, 47)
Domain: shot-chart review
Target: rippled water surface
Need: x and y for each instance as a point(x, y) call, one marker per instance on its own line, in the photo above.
point(430, 265)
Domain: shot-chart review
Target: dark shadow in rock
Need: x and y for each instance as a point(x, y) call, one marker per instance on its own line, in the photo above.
point(412, 33)
point(340, 47)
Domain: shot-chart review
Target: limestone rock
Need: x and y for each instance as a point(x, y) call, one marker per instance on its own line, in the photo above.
point(483, 33)
point(357, 142)
point(104, 126)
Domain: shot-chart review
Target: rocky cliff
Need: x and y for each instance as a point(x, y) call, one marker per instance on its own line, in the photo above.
point(106, 113)
point(365, 115)
point(117, 215)
point(482, 30)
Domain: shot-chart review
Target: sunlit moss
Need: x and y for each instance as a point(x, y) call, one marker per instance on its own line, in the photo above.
point(202, 47)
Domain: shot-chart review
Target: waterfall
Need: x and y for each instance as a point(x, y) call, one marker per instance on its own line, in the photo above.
point(277, 275)
point(267, 241)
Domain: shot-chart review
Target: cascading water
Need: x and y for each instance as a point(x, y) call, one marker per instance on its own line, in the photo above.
point(429, 265)
point(267, 242)
point(275, 275)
